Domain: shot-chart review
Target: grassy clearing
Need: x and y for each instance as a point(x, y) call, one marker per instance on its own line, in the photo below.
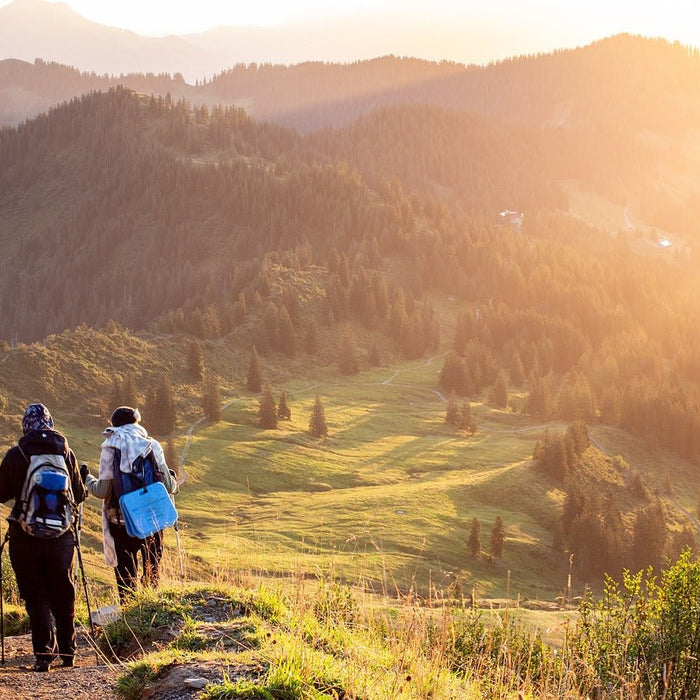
point(386, 499)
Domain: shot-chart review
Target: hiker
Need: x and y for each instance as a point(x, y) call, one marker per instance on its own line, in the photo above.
point(126, 440)
point(43, 565)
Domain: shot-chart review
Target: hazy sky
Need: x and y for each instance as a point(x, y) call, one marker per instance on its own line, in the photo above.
point(532, 25)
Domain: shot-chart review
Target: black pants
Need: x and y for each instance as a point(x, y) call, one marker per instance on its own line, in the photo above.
point(128, 549)
point(43, 569)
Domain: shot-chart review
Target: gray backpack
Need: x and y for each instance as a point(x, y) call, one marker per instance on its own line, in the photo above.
point(46, 503)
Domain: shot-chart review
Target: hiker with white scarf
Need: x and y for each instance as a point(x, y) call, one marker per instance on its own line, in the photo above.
point(125, 440)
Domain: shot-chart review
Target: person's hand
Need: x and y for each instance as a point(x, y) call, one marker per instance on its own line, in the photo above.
point(84, 471)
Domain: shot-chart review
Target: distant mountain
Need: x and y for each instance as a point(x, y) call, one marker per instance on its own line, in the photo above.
point(617, 118)
point(28, 89)
point(638, 83)
point(32, 29)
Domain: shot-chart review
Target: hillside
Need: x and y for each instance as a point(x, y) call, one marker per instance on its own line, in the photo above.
point(207, 225)
point(591, 113)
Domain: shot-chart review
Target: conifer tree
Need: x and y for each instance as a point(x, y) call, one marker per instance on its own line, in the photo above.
point(497, 539)
point(160, 408)
point(517, 371)
point(195, 361)
point(374, 357)
point(347, 354)
point(580, 439)
point(267, 410)
point(211, 401)
point(649, 536)
point(285, 333)
point(311, 338)
point(115, 395)
point(283, 410)
point(466, 418)
point(123, 392)
point(498, 396)
point(317, 423)
point(166, 405)
point(254, 378)
point(474, 541)
point(129, 393)
point(452, 410)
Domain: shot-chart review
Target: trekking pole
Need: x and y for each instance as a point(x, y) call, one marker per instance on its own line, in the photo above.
point(176, 527)
point(179, 550)
point(78, 530)
point(85, 589)
point(2, 609)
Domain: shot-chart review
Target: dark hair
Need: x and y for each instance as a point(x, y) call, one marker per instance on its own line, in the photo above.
point(125, 415)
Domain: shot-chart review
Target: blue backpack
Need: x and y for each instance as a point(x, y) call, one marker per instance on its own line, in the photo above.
point(140, 500)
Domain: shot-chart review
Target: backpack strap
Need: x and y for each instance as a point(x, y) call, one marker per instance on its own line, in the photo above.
point(19, 447)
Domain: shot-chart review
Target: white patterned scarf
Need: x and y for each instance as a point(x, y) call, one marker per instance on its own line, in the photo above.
point(131, 440)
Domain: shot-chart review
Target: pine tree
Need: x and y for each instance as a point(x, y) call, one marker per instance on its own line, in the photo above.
point(283, 410)
point(166, 406)
point(285, 333)
point(452, 410)
point(129, 393)
point(498, 396)
point(311, 338)
point(649, 536)
point(497, 539)
point(254, 378)
point(317, 424)
point(474, 541)
point(466, 419)
point(115, 394)
point(123, 392)
point(347, 354)
point(267, 409)
point(374, 358)
point(160, 408)
point(195, 361)
point(211, 401)
point(517, 371)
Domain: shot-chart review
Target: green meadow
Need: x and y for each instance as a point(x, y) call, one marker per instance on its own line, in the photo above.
point(385, 500)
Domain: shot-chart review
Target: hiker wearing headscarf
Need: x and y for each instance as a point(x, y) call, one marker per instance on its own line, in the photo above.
point(43, 567)
point(124, 441)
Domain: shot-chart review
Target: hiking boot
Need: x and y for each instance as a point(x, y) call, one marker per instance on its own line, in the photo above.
point(67, 661)
point(42, 665)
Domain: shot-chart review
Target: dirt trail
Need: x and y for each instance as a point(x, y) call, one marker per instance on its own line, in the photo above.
point(87, 680)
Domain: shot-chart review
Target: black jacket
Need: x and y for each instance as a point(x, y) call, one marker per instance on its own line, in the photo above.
point(13, 468)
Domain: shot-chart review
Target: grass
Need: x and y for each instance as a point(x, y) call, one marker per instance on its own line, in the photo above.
point(391, 489)
point(387, 498)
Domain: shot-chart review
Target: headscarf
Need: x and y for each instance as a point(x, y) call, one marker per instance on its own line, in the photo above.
point(36, 417)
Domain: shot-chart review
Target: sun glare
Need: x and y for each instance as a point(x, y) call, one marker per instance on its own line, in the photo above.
point(524, 26)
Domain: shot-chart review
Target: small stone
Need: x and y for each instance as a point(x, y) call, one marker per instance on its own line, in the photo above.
point(197, 683)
